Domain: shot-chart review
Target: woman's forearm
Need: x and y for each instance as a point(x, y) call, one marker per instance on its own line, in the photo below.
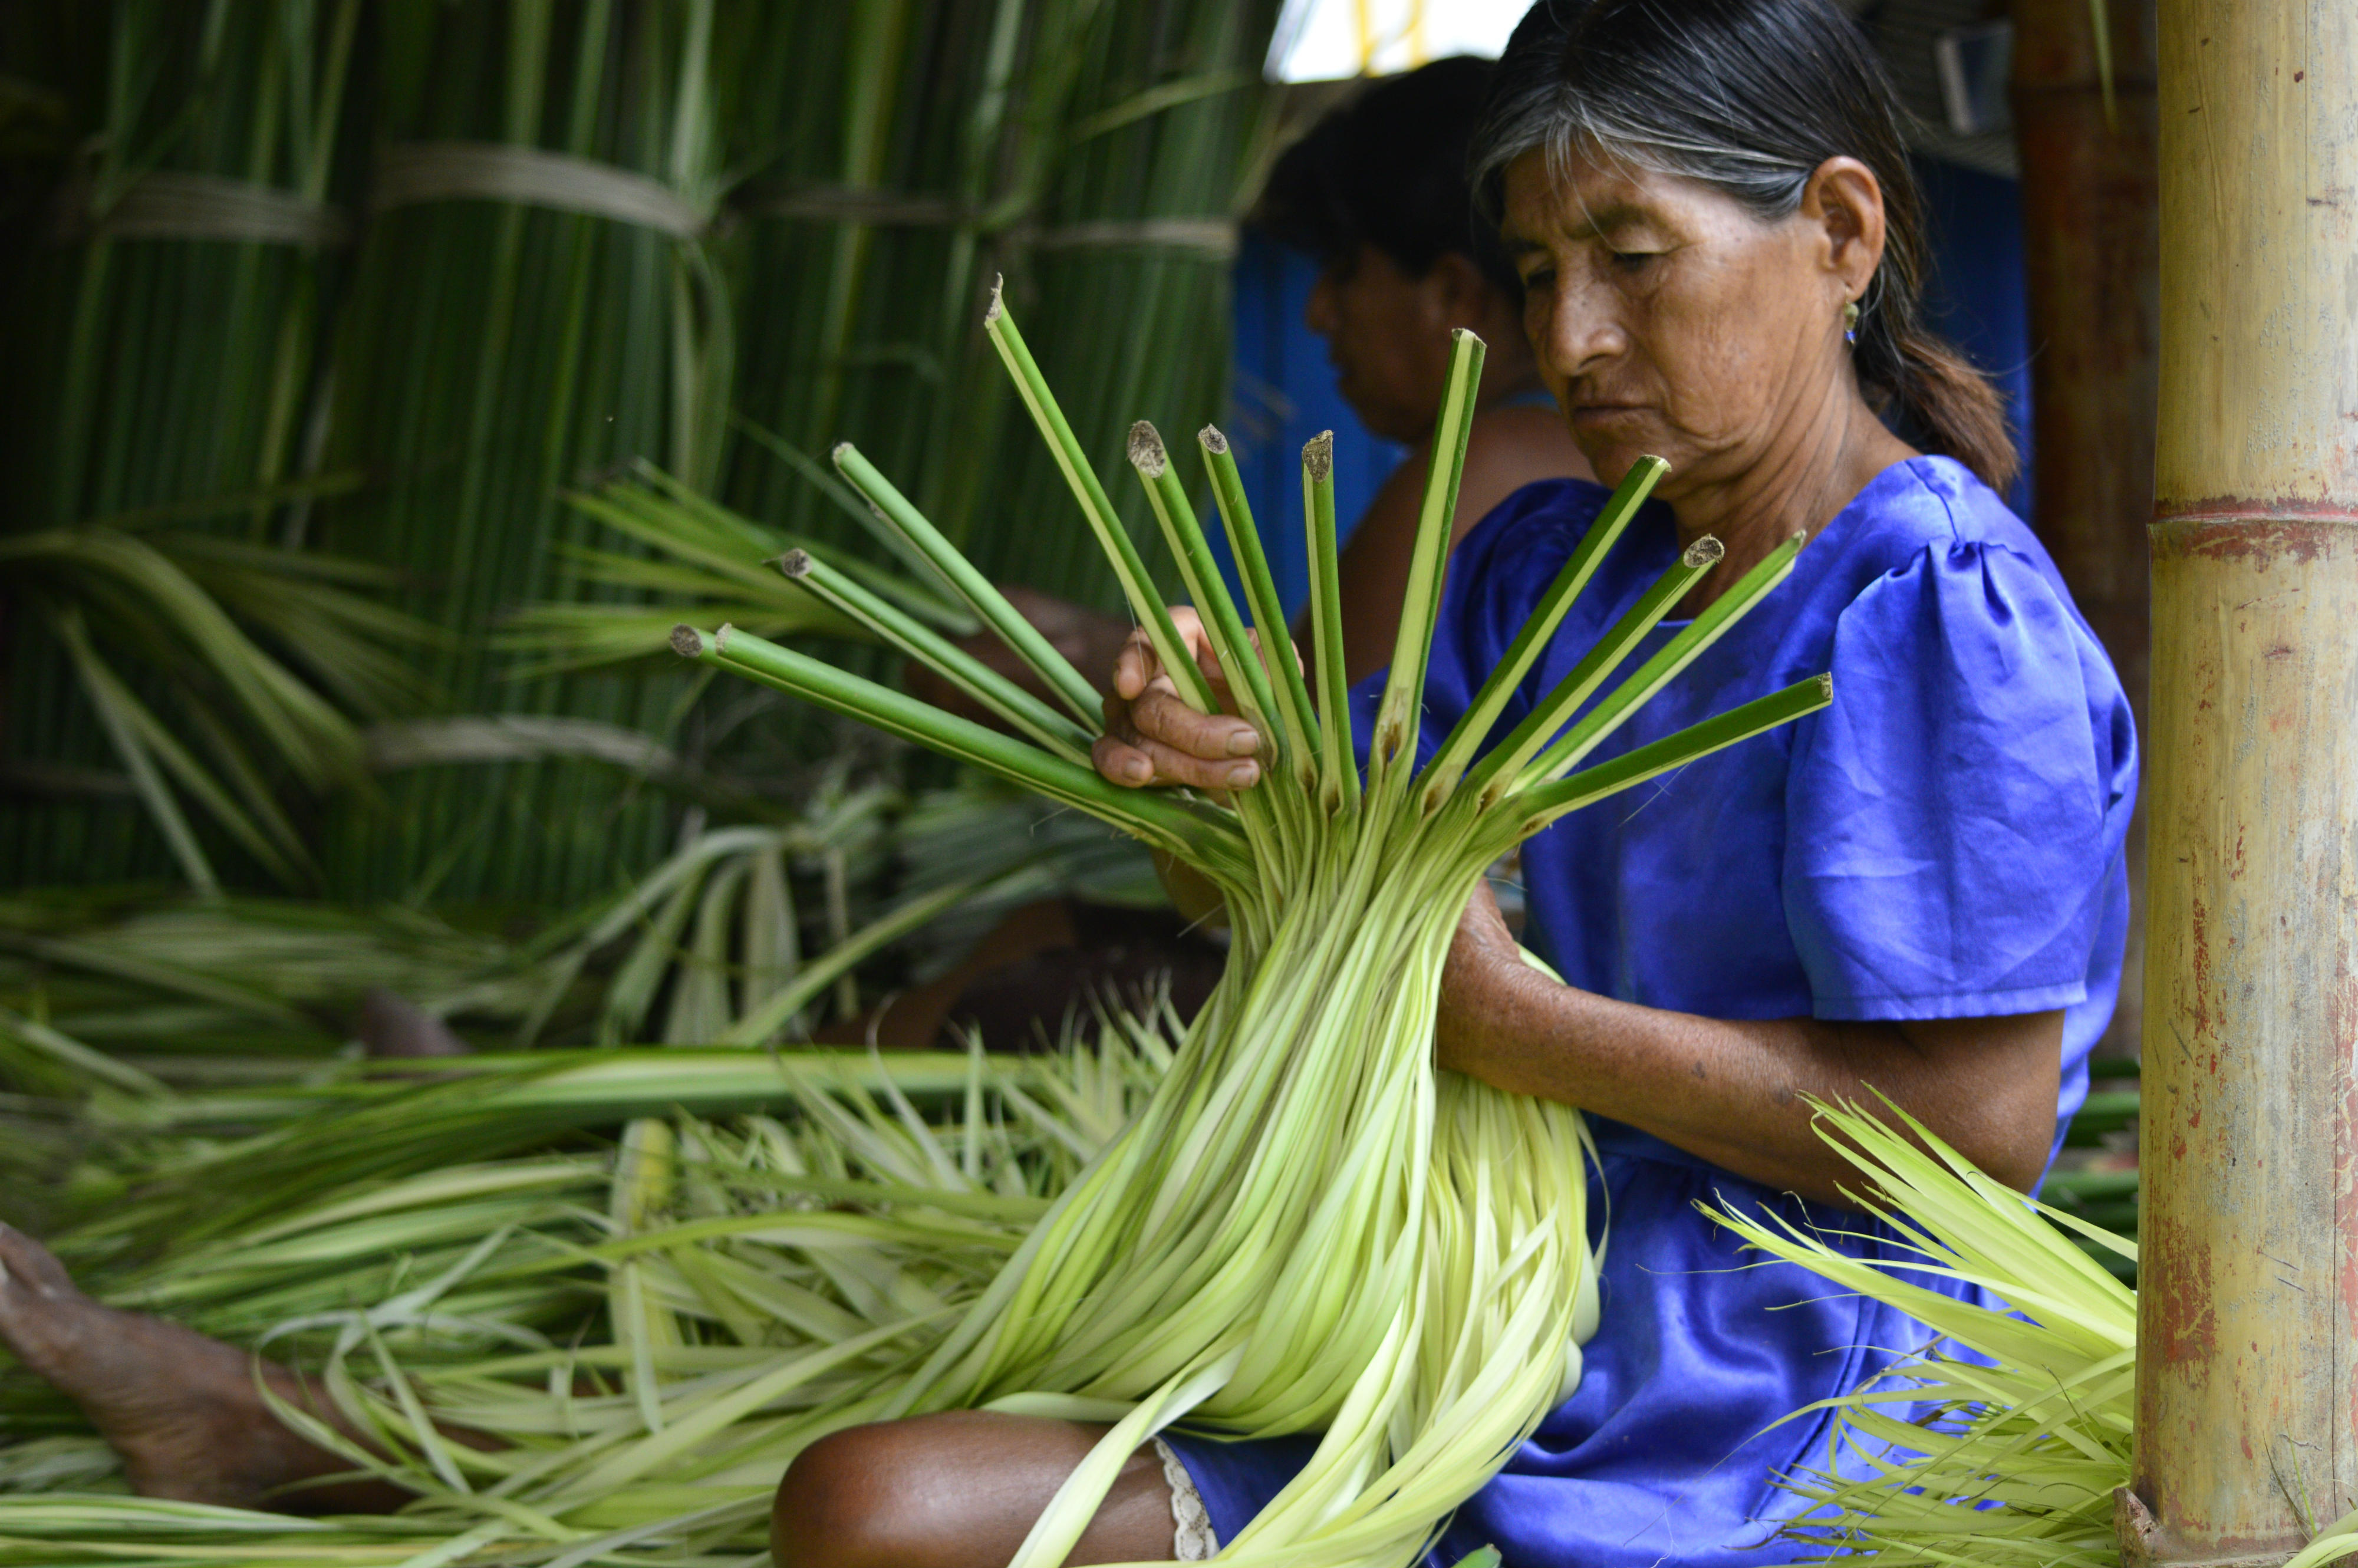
point(1735, 1092)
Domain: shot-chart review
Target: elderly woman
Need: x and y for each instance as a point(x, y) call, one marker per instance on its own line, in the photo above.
point(1917, 894)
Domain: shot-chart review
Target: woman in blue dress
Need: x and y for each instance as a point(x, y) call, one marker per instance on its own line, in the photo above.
point(1917, 892)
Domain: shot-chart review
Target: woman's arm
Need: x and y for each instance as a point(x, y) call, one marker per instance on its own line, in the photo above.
point(1731, 1091)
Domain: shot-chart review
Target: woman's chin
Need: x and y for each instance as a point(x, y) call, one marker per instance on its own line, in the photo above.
point(1612, 455)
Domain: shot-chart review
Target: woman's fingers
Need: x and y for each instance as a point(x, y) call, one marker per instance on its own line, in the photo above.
point(1159, 716)
point(1154, 736)
point(1159, 739)
point(1138, 763)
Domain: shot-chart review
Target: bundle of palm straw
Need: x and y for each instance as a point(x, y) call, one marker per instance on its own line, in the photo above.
point(1307, 1229)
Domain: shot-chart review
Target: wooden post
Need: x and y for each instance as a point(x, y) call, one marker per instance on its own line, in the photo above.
point(2092, 241)
point(2247, 1406)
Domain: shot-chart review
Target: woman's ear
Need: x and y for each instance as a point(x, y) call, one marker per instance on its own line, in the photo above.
point(1843, 204)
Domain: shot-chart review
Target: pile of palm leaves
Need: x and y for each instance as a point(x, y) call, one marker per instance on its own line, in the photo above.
point(659, 1307)
point(2003, 1441)
point(340, 300)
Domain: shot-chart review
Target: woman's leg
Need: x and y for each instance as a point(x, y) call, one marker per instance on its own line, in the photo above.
point(182, 1409)
point(956, 1490)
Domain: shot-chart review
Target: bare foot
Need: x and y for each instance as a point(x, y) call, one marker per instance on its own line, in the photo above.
point(181, 1409)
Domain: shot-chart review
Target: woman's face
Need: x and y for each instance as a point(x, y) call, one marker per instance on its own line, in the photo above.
point(1387, 334)
point(1667, 319)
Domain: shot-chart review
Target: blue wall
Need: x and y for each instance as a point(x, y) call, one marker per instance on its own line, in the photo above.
point(1284, 389)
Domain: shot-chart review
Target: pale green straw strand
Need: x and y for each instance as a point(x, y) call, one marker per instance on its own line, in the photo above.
point(1137, 586)
point(1397, 718)
point(1502, 770)
point(1339, 772)
point(989, 604)
point(1716, 621)
point(922, 643)
point(1156, 817)
point(1294, 712)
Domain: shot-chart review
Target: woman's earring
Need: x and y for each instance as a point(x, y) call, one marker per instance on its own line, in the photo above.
point(1850, 323)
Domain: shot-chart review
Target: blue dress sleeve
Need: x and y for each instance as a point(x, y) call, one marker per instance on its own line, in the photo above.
point(1951, 820)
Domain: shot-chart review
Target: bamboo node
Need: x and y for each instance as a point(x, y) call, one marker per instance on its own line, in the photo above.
point(1318, 456)
point(687, 642)
point(1146, 453)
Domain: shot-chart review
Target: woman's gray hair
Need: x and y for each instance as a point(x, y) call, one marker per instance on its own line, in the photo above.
point(1748, 97)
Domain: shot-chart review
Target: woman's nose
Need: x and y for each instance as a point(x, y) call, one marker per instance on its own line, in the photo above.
point(1578, 331)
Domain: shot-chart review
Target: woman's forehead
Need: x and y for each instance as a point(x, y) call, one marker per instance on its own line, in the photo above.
point(1560, 193)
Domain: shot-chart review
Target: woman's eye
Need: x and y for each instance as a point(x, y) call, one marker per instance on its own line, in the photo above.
point(1634, 261)
point(1538, 277)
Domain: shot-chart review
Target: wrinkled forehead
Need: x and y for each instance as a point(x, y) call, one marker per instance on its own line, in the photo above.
point(1570, 192)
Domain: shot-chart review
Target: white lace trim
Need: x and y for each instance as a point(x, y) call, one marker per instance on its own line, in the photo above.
point(1192, 1539)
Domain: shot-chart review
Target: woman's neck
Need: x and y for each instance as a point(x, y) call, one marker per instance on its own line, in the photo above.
point(1826, 454)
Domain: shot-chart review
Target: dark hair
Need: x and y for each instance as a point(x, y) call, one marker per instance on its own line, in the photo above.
point(1749, 97)
point(1388, 169)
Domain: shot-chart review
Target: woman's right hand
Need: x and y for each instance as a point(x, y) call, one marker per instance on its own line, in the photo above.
point(1153, 738)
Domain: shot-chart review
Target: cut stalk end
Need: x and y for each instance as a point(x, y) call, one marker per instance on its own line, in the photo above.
point(688, 641)
point(1146, 452)
point(1707, 551)
point(1212, 441)
point(997, 308)
point(796, 564)
point(1318, 456)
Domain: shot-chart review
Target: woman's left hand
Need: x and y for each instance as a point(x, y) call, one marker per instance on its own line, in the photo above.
point(1485, 962)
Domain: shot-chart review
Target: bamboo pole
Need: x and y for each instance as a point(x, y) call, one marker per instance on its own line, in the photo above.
point(2248, 1412)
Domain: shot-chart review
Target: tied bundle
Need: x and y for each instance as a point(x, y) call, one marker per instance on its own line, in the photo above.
point(1307, 1228)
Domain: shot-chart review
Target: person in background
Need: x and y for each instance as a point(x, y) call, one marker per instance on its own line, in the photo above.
point(1378, 193)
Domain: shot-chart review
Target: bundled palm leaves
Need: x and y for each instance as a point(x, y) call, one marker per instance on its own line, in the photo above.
point(1307, 1229)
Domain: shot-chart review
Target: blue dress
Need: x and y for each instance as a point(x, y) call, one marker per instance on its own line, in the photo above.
point(1945, 841)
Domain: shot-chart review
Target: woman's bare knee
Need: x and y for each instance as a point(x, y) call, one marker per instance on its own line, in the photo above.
point(956, 1490)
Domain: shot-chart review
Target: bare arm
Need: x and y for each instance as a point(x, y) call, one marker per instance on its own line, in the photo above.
point(1732, 1090)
